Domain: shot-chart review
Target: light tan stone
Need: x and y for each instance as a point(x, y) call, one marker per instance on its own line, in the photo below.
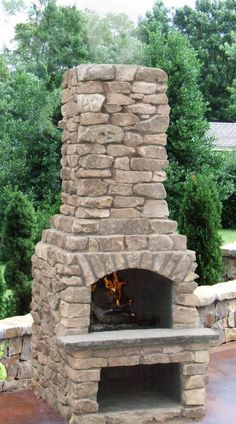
point(202, 356)
point(90, 87)
point(194, 382)
point(83, 406)
point(147, 164)
point(124, 119)
point(132, 177)
point(154, 190)
point(160, 242)
point(136, 242)
point(155, 209)
point(95, 72)
point(92, 187)
point(87, 419)
point(155, 358)
point(230, 334)
point(120, 189)
point(141, 108)
point(96, 161)
point(122, 163)
point(117, 87)
point(74, 310)
point(144, 88)
point(128, 202)
point(194, 369)
point(91, 173)
point(185, 315)
point(194, 397)
point(150, 74)
point(78, 323)
point(101, 134)
point(88, 213)
point(123, 361)
point(160, 139)
point(156, 99)
point(89, 102)
point(154, 152)
point(124, 226)
point(112, 108)
point(84, 226)
point(125, 213)
point(82, 390)
point(95, 202)
point(76, 295)
point(156, 124)
point(125, 72)
point(90, 118)
point(163, 110)
point(111, 244)
point(80, 376)
point(120, 150)
point(86, 363)
point(118, 99)
point(133, 139)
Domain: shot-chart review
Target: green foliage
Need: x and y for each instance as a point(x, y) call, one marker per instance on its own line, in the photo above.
point(200, 220)
point(17, 248)
point(51, 41)
point(210, 28)
point(112, 39)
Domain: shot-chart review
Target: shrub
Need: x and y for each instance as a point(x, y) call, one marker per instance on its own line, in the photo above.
point(199, 219)
point(17, 248)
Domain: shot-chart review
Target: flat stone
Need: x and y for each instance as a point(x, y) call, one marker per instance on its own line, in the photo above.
point(194, 382)
point(82, 390)
point(118, 99)
point(89, 102)
point(156, 99)
point(136, 242)
point(90, 87)
point(147, 337)
point(154, 190)
point(111, 244)
point(112, 108)
point(95, 72)
point(74, 310)
point(156, 124)
point(154, 152)
point(206, 295)
point(128, 202)
point(133, 139)
point(87, 213)
point(160, 139)
point(95, 202)
point(163, 109)
point(147, 164)
point(125, 213)
point(90, 118)
point(96, 161)
point(144, 88)
point(91, 187)
point(122, 163)
point(155, 209)
point(120, 150)
point(76, 295)
point(120, 189)
point(91, 173)
point(124, 119)
point(86, 149)
point(150, 74)
point(124, 226)
point(194, 397)
point(117, 87)
point(125, 72)
point(141, 108)
point(160, 242)
point(163, 226)
point(132, 177)
point(101, 134)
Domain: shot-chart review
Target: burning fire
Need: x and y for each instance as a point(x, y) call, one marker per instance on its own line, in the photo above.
point(114, 286)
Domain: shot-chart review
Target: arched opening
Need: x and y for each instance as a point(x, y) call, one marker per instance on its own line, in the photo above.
point(131, 298)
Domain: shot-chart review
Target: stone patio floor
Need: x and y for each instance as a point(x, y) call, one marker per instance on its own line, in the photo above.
point(21, 407)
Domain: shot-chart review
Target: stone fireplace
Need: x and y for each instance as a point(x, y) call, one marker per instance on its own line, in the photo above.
point(115, 337)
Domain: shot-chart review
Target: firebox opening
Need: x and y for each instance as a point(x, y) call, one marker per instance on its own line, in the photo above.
point(139, 387)
point(132, 298)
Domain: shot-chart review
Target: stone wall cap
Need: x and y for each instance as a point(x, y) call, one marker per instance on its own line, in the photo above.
point(229, 249)
point(15, 326)
point(206, 295)
point(126, 338)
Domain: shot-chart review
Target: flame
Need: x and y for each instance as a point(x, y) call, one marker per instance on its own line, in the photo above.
point(114, 286)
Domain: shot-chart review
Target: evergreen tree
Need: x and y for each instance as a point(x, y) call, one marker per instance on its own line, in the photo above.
point(199, 220)
point(17, 248)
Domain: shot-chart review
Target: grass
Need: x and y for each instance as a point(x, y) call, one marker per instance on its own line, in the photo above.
point(228, 235)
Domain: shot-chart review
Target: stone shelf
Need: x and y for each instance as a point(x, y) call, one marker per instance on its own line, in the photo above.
point(127, 338)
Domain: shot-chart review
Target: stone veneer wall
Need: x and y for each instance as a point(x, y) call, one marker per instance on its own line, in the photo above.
point(217, 310)
point(15, 336)
point(229, 258)
point(114, 216)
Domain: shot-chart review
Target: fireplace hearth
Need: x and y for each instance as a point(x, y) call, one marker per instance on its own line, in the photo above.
point(113, 304)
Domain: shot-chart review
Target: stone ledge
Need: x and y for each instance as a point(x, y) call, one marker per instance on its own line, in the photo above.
point(15, 326)
point(206, 295)
point(229, 250)
point(126, 338)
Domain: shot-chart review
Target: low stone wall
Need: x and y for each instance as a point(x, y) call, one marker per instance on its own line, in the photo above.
point(15, 338)
point(229, 257)
point(217, 310)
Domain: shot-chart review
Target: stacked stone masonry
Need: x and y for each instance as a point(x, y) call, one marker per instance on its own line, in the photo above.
point(114, 216)
point(15, 344)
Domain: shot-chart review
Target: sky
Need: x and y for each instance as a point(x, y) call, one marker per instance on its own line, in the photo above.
point(133, 9)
